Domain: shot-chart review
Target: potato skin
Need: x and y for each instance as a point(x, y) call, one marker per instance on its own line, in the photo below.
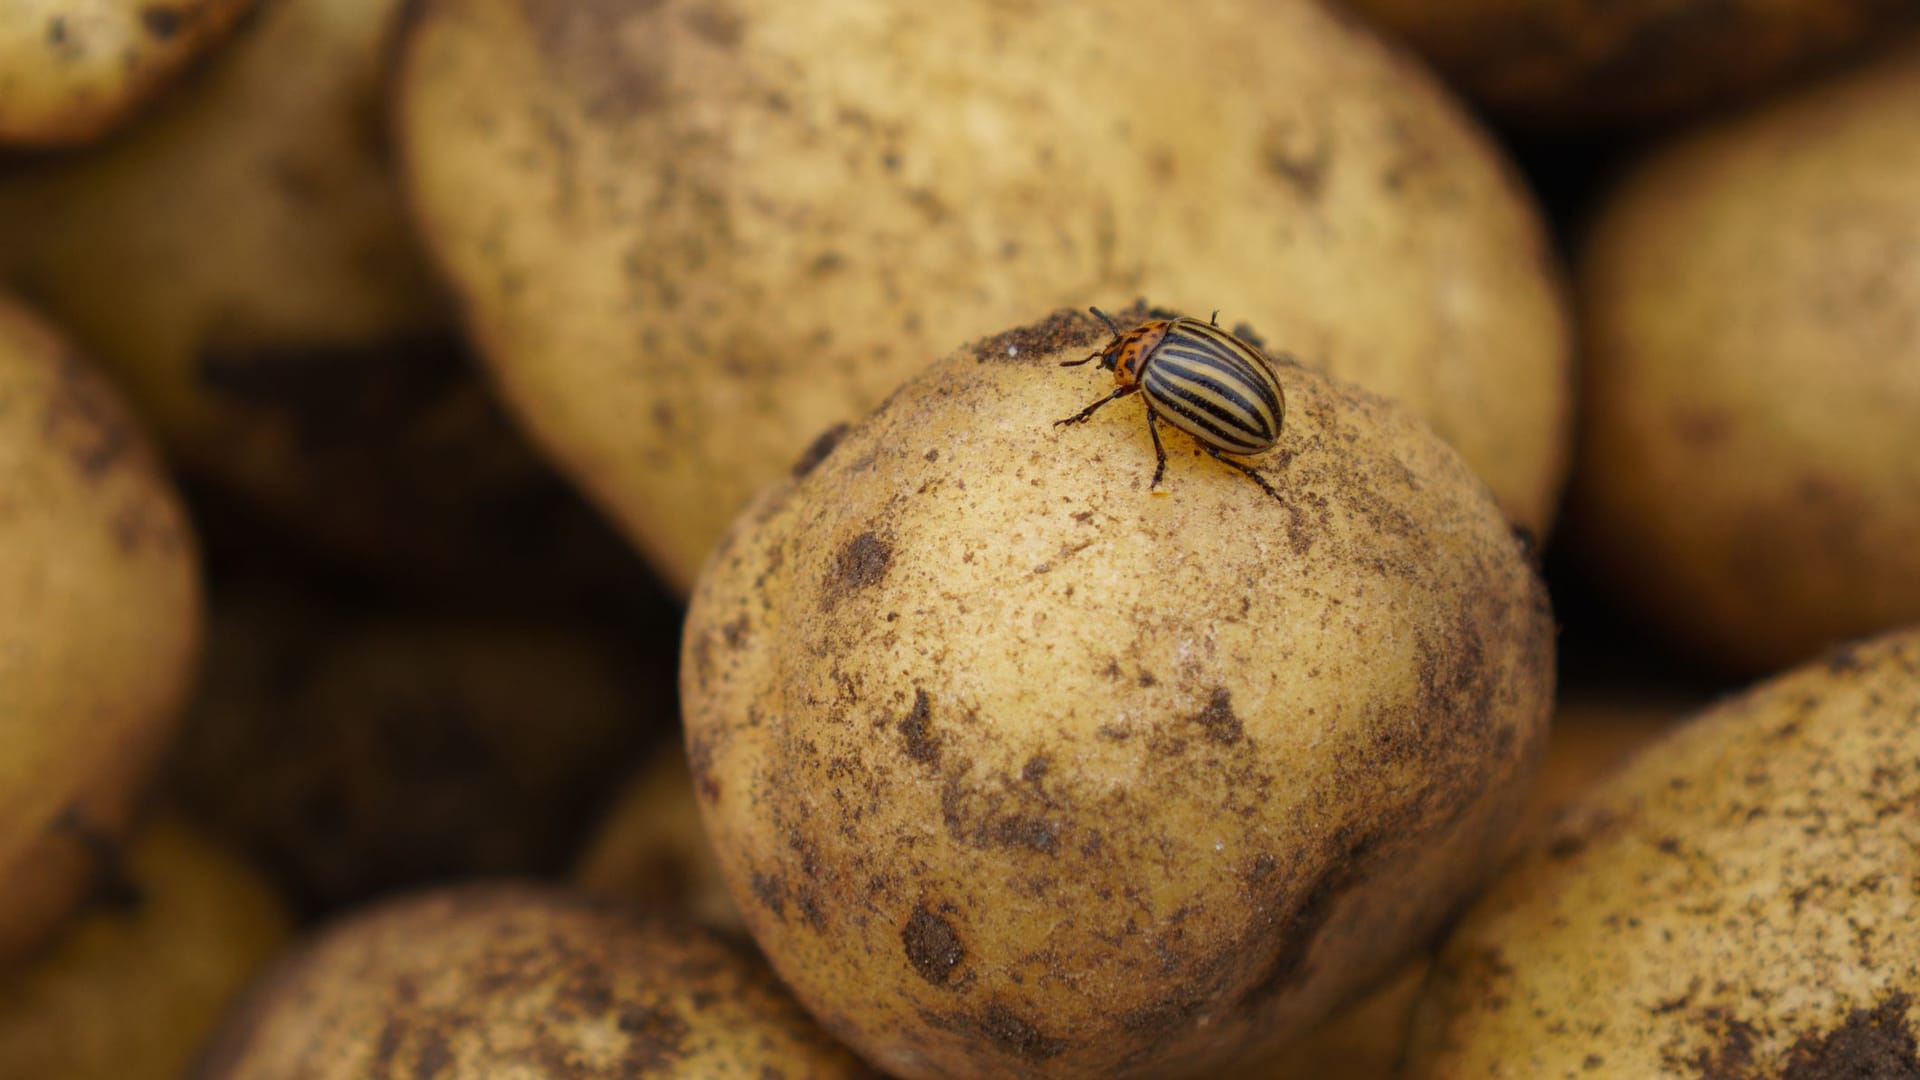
point(1016, 770)
point(487, 980)
point(241, 264)
point(1580, 64)
point(70, 70)
point(100, 583)
point(1747, 473)
point(1734, 903)
point(130, 986)
point(689, 235)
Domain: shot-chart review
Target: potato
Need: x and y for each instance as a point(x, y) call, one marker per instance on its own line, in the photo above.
point(1017, 770)
point(1735, 903)
point(1748, 476)
point(1592, 735)
point(509, 981)
point(1579, 64)
point(241, 264)
point(690, 236)
point(70, 70)
point(128, 989)
point(651, 849)
point(354, 752)
point(101, 592)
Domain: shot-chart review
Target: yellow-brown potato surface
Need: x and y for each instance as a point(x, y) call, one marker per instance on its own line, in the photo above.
point(100, 592)
point(130, 986)
point(691, 235)
point(1016, 769)
point(72, 69)
point(240, 263)
point(1736, 903)
point(507, 981)
point(1749, 469)
point(1575, 64)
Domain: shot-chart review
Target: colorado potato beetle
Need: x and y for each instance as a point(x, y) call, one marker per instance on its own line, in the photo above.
point(1199, 378)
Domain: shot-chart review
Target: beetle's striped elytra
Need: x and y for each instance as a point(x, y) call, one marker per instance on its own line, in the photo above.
point(1199, 378)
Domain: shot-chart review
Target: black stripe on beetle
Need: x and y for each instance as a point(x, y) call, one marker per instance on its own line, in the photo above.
point(1199, 378)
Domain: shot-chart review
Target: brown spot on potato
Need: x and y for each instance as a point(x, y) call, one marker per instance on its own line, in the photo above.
point(861, 562)
point(771, 892)
point(1007, 1031)
point(1301, 162)
point(434, 1056)
point(916, 731)
point(161, 22)
point(933, 948)
point(819, 448)
point(1030, 833)
point(1877, 1042)
point(1058, 331)
point(587, 45)
point(1218, 719)
point(717, 24)
point(1731, 1055)
point(84, 418)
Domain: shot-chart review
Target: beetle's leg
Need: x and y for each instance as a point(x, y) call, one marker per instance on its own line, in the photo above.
point(1245, 468)
point(1214, 319)
point(1089, 410)
point(1087, 359)
point(1159, 452)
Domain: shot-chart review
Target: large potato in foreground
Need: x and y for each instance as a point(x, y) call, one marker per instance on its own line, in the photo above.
point(241, 265)
point(1749, 472)
point(129, 988)
point(1018, 770)
point(353, 753)
point(689, 236)
point(1739, 902)
point(100, 590)
point(72, 69)
point(1556, 64)
point(505, 981)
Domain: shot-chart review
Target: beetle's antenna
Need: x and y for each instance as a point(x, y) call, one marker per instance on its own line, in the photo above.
point(1103, 318)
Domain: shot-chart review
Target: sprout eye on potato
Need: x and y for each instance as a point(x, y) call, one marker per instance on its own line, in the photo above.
point(1015, 770)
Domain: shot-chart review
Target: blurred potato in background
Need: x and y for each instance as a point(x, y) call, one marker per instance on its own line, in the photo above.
point(1576, 65)
point(1748, 478)
point(239, 262)
point(133, 981)
point(99, 623)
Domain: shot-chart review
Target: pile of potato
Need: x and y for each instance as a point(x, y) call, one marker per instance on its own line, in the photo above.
point(537, 540)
